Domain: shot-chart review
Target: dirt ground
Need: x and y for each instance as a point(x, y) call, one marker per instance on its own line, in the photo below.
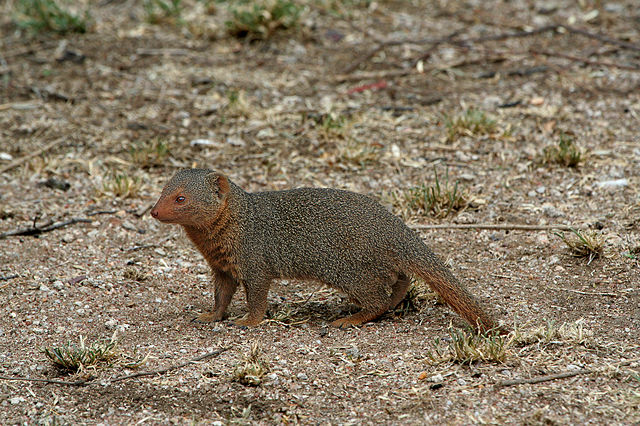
point(330, 104)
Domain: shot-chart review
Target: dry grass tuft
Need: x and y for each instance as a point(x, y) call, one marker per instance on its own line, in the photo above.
point(589, 244)
point(150, 153)
point(552, 333)
point(120, 185)
point(286, 315)
point(78, 358)
point(466, 347)
point(252, 370)
point(417, 294)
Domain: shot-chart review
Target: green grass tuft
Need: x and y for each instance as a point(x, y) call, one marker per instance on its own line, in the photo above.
point(439, 200)
point(472, 122)
point(48, 16)
point(565, 153)
point(163, 11)
point(260, 19)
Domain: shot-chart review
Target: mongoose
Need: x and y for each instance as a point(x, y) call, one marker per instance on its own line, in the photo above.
point(343, 239)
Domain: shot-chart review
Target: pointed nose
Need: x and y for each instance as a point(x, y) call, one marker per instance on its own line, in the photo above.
point(154, 213)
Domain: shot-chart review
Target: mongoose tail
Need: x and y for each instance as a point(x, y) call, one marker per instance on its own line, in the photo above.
point(442, 281)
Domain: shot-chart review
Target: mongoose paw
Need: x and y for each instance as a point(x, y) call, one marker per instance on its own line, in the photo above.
point(344, 323)
point(247, 322)
point(208, 317)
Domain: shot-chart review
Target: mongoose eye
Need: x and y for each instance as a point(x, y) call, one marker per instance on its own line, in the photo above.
point(180, 199)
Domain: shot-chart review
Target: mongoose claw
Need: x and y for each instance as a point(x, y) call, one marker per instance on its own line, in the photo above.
point(247, 322)
point(207, 317)
point(343, 323)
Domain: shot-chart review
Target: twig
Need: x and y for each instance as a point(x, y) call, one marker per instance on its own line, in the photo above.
point(92, 380)
point(585, 60)
point(602, 38)
point(8, 277)
point(37, 230)
point(171, 367)
point(97, 212)
point(562, 375)
point(21, 160)
point(587, 293)
point(541, 379)
point(506, 226)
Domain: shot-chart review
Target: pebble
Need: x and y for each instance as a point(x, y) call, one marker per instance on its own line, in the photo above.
point(16, 400)
point(111, 323)
point(616, 183)
point(437, 378)
point(302, 376)
point(236, 141)
point(462, 382)
point(58, 285)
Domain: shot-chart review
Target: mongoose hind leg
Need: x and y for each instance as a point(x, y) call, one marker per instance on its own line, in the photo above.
point(399, 290)
point(372, 298)
point(225, 288)
point(256, 303)
point(358, 318)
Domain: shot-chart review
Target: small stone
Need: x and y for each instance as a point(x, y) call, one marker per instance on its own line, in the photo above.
point(236, 141)
point(616, 183)
point(302, 376)
point(437, 378)
point(111, 324)
point(6, 157)
point(58, 285)
point(16, 400)
point(462, 382)
point(44, 288)
point(205, 142)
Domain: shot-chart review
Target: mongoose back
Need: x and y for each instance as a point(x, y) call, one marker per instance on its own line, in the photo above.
point(342, 239)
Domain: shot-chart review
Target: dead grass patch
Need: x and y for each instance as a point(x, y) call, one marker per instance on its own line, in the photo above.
point(78, 358)
point(253, 369)
point(587, 244)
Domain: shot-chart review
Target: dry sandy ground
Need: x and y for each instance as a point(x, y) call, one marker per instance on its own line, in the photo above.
point(325, 104)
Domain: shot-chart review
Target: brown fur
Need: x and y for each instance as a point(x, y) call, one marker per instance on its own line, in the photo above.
point(342, 239)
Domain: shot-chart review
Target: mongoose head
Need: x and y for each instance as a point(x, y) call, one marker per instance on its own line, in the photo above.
point(193, 197)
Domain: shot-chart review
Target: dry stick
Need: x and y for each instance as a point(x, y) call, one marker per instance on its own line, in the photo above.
point(557, 376)
point(48, 227)
point(92, 380)
point(21, 160)
point(8, 277)
point(543, 378)
point(507, 226)
point(602, 38)
point(171, 367)
point(587, 293)
point(585, 60)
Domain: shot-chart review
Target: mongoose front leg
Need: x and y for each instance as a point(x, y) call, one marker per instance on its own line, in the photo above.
point(256, 303)
point(225, 287)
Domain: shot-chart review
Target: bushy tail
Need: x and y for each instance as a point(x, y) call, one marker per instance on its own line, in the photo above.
point(440, 279)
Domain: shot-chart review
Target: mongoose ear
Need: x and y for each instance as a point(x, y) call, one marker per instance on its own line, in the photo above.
point(219, 183)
